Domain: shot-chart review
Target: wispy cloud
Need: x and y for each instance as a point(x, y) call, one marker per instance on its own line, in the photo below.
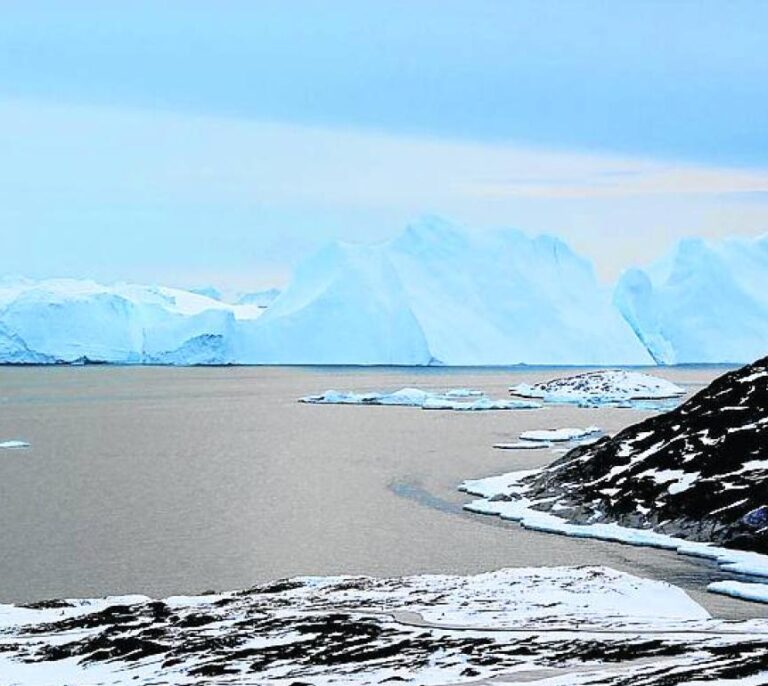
point(97, 185)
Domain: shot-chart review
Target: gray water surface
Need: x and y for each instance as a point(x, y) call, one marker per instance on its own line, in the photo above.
point(165, 481)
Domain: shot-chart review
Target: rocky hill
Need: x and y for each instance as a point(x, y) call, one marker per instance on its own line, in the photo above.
point(699, 472)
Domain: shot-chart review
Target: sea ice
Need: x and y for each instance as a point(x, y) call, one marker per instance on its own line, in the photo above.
point(456, 399)
point(559, 435)
point(741, 589)
point(14, 444)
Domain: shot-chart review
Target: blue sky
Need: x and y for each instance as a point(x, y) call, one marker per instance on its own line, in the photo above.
point(220, 141)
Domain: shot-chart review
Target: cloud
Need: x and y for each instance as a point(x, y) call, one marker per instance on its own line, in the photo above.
point(84, 185)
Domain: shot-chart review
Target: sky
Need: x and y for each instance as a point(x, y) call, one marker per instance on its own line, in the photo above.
point(193, 143)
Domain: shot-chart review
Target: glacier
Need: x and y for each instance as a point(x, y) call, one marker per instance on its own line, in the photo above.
point(434, 295)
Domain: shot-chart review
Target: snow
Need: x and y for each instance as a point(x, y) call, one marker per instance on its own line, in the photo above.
point(14, 444)
point(602, 387)
point(455, 399)
point(579, 625)
point(559, 435)
point(680, 304)
point(515, 506)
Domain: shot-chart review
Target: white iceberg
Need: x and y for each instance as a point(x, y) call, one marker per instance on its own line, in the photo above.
point(434, 295)
point(743, 590)
point(456, 399)
point(601, 387)
point(65, 320)
point(559, 435)
point(13, 445)
point(705, 302)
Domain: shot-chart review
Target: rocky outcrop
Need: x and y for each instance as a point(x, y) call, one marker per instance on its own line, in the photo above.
point(699, 472)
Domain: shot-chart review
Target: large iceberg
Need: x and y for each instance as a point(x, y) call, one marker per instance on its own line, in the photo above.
point(705, 302)
point(436, 295)
point(72, 321)
point(433, 295)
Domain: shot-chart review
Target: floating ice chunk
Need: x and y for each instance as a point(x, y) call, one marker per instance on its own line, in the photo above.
point(523, 445)
point(559, 435)
point(605, 387)
point(463, 393)
point(483, 403)
point(455, 399)
point(405, 396)
point(741, 589)
point(14, 444)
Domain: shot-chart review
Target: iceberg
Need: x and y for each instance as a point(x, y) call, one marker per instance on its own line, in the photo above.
point(559, 435)
point(434, 295)
point(703, 303)
point(603, 387)
point(71, 321)
point(14, 444)
point(456, 399)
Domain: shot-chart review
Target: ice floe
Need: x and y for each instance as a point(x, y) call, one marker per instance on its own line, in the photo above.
point(615, 387)
point(741, 589)
point(559, 435)
point(523, 445)
point(455, 399)
point(571, 625)
point(13, 445)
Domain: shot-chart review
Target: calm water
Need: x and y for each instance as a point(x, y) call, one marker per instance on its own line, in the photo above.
point(168, 481)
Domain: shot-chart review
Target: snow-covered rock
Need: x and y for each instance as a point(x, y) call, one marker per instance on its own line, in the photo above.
point(691, 480)
point(574, 625)
point(705, 302)
point(455, 399)
point(698, 472)
point(602, 387)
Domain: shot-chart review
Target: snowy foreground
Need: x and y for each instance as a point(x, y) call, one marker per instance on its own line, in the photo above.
point(433, 295)
point(455, 399)
point(586, 625)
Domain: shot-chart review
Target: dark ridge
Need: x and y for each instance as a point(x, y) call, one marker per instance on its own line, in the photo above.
point(693, 472)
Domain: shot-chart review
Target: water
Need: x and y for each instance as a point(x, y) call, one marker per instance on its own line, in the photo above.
point(162, 481)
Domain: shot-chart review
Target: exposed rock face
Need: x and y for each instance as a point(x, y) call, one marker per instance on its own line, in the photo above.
point(699, 472)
